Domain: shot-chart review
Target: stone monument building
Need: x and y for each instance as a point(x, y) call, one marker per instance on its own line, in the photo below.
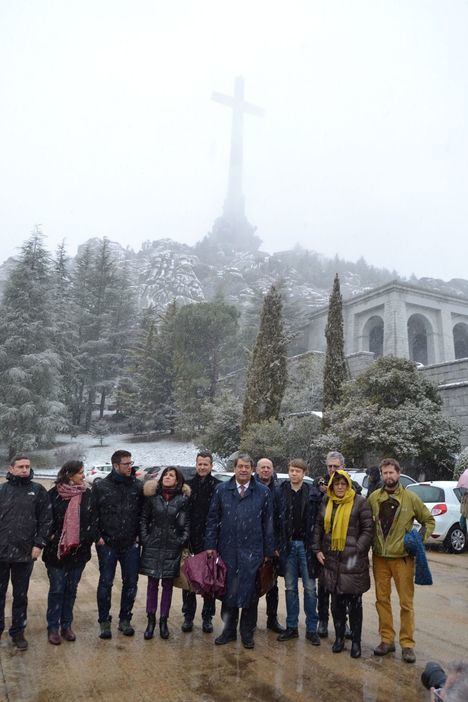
point(408, 321)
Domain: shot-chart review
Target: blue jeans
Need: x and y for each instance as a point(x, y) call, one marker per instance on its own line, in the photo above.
point(62, 595)
point(296, 567)
point(129, 559)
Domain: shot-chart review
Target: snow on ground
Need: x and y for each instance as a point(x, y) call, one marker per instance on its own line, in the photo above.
point(163, 451)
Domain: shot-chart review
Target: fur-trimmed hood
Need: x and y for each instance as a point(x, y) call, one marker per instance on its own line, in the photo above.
point(150, 487)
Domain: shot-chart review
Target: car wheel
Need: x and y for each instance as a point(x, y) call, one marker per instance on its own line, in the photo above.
point(455, 541)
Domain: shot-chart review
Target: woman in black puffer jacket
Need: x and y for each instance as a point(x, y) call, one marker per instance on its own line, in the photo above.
point(164, 531)
point(342, 538)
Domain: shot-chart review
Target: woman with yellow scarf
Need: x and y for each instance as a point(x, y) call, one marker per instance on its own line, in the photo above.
point(342, 538)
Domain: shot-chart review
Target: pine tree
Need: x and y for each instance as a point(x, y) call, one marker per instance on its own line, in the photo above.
point(104, 302)
point(65, 329)
point(203, 334)
point(335, 372)
point(267, 373)
point(30, 410)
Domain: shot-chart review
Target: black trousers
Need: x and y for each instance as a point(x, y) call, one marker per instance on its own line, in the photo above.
point(351, 604)
point(20, 574)
point(272, 602)
point(248, 619)
point(323, 603)
point(189, 605)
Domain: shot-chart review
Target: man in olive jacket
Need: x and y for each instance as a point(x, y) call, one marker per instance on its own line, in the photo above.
point(394, 510)
point(25, 519)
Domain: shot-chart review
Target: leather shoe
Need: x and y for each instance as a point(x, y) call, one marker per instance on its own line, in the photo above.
point(53, 637)
point(322, 630)
point(338, 645)
point(287, 634)
point(248, 643)
point(225, 638)
point(274, 625)
point(408, 655)
point(187, 625)
point(313, 638)
point(68, 634)
point(207, 626)
point(19, 641)
point(383, 648)
point(355, 649)
point(126, 628)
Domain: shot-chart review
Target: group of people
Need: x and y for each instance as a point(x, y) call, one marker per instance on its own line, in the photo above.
point(308, 532)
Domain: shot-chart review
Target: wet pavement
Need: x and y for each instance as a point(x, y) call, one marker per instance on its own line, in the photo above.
point(189, 668)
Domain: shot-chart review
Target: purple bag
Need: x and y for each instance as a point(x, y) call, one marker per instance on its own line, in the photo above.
point(206, 574)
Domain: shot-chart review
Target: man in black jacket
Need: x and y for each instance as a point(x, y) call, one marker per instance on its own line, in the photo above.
point(265, 474)
point(202, 487)
point(25, 519)
point(117, 503)
point(298, 505)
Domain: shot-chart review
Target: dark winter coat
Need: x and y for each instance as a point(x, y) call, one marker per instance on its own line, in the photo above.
point(80, 555)
point(241, 530)
point(199, 505)
point(347, 572)
point(164, 531)
point(311, 501)
point(25, 518)
point(117, 503)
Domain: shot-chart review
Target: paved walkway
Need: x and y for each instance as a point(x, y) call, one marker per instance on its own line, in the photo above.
point(189, 668)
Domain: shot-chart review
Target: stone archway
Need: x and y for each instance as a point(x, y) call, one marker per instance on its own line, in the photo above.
point(420, 339)
point(373, 335)
point(460, 340)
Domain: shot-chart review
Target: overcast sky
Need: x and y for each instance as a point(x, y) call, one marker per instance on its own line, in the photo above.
point(107, 126)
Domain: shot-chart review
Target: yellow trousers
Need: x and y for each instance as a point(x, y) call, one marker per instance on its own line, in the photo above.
point(402, 572)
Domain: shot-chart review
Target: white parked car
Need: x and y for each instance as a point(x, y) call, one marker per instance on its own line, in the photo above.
point(361, 477)
point(442, 498)
point(98, 472)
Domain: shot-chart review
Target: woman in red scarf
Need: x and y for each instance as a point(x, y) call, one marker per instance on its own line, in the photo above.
point(68, 548)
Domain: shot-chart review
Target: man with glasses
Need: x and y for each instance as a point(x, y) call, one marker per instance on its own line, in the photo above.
point(117, 503)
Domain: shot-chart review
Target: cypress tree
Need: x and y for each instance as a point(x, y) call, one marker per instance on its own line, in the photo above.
point(335, 372)
point(267, 373)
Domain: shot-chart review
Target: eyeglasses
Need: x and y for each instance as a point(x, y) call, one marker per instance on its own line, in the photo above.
point(129, 463)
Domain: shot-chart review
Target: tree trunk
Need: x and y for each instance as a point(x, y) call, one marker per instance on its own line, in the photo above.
point(102, 403)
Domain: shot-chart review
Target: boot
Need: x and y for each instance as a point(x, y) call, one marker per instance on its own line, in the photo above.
point(149, 631)
point(322, 629)
point(356, 649)
point(106, 632)
point(274, 625)
point(187, 625)
point(207, 626)
point(163, 630)
point(338, 645)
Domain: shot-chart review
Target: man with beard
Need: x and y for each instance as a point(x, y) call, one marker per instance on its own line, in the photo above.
point(202, 487)
point(394, 510)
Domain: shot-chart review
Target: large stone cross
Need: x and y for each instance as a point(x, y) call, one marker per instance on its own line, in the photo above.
point(234, 203)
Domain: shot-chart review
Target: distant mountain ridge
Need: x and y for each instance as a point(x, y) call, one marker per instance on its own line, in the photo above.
point(165, 270)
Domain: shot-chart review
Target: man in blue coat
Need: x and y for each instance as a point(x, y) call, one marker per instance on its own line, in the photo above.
point(240, 528)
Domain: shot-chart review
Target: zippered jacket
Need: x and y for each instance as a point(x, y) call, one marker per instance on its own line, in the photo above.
point(411, 509)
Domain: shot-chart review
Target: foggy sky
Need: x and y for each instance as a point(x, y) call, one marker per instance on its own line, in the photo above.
point(107, 126)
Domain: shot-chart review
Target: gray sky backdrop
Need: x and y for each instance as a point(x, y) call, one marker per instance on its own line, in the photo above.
point(107, 126)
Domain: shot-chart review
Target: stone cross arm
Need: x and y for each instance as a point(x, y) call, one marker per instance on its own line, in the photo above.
point(234, 102)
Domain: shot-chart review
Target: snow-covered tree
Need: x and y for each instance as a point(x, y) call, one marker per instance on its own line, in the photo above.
point(392, 410)
point(30, 410)
point(335, 371)
point(267, 373)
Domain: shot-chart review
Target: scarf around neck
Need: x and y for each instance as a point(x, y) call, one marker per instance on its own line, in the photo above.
point(344, 505)
point(70, 536)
